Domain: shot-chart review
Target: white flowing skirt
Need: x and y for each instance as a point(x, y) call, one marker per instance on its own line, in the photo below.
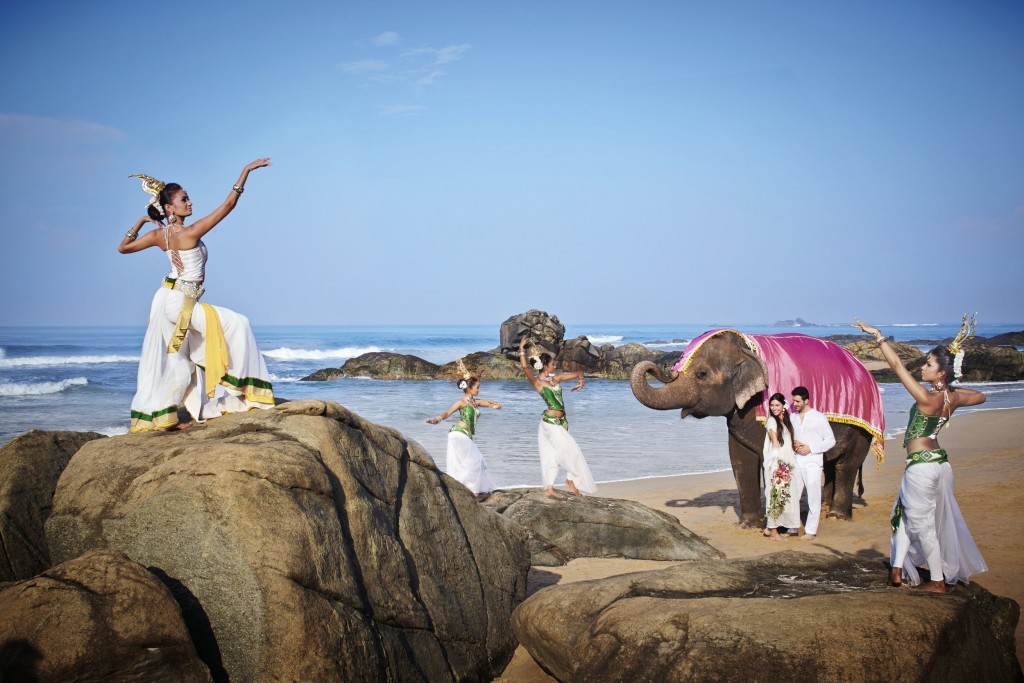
point(790, 517)
point(558, 450)
point(930, 506)
point(466, 464)
point(169, 380)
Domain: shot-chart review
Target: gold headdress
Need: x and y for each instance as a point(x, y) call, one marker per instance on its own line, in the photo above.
point(956, 347)
point(151, 186)
point(466, 374)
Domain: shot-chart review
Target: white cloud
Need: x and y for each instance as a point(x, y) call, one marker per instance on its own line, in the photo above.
point(365, 66)
point(66, 131)
point(395, 110)
point(429, 79)
point(442, 56)
point(387, 38)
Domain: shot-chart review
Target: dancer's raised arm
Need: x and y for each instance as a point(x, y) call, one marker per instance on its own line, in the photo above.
point(207, 223)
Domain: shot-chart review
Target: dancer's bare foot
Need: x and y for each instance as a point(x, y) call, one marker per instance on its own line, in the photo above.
point(896, 576)
point(775, 535)
point(572, 487)
point(552, 493)
point(767, 533)
point(180, 426)
point(932, 587)
point(808, 537)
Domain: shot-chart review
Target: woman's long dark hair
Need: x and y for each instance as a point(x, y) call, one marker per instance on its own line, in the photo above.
point(786, 424)
point(165, 197)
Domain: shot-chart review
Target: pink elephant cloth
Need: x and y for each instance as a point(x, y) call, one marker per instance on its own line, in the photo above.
point(840, 386)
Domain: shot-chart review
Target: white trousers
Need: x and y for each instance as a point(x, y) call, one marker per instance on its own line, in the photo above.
point(809, 478)
point(559, 451)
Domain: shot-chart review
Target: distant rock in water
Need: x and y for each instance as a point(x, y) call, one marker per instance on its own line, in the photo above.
point(799, 322)
point(378, 365)
point(1007, 339)
point(304, 543)
point(864, 349)
point(485, 365)
point(543, 330)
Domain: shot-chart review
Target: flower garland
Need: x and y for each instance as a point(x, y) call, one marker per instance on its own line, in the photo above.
point(779, 494)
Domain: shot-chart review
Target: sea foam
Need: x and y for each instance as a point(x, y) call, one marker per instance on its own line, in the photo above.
point(286, 354)
point(45, 361)
point(600, 339)
point(39, 388)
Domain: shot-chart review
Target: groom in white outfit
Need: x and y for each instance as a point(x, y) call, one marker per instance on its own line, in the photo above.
point(812, 436)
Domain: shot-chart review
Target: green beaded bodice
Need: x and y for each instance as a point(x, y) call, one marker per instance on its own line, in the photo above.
point(553, 397)
point(467, 414)
point(921, 425)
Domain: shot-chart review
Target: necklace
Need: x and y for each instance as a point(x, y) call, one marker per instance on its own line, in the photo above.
point(550, 377)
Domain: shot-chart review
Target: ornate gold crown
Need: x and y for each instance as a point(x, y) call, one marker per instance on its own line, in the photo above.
point(965, 334)
point(466, 374)
point(150, 185)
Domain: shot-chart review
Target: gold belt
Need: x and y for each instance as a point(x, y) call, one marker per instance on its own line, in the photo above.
point(192, 291)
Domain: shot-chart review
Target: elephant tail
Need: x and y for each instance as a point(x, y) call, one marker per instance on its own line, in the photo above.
point(860, 482)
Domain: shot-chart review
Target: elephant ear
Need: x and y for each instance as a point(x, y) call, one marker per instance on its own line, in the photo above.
point(750, 377)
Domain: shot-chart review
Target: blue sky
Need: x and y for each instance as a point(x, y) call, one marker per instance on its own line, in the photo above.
point(459, 162)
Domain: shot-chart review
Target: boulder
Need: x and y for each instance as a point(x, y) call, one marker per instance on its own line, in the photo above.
point(485, 365)
point(304, 543)
point(99, 617)
point(579, 354)
point(617, 362)
point(30, 466)
point(378, 365)
point(544, 331)
point(868, 350)
point(790, 616)
point(1007, 339)
point(585, 526)
point(982, 363)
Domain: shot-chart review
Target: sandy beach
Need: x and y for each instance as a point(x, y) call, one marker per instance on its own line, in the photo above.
point(987, 454)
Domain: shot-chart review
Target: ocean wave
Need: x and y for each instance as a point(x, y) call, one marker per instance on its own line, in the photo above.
point(113, 431)
point(44, 361)
point(39, 388)
point(286, 354)
point(2, 352)
point(600, 339)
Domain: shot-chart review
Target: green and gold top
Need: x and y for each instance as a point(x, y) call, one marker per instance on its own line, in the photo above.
point(922, 425)
point(467, 415)
point(553, 397)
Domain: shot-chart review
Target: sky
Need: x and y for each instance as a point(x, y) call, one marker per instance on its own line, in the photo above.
point(460, 162)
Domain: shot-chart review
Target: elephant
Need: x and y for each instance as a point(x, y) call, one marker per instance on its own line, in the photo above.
point(725, 377)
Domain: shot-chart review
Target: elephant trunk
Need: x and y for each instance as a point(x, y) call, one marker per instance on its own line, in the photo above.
point(662, 398)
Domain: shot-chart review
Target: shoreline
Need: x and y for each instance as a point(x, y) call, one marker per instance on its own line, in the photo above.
point(987, 454)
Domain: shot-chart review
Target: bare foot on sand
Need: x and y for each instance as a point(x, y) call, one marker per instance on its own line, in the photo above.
point(896, 576)
point(808, 537)
point(932, 587)
point(572, 487)
point(775, 535)
point(552, 493)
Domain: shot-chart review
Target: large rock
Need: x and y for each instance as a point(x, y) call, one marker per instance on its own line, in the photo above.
point(378, 365)
point(485, 365)
point(784, 617)
point(1007, 339)
point(545, 332)
point(30, 466)
point(868, 350)
point(578, 526)
point(617, 362)
point(99, 617)
point(304, 543)
point(579, 354)
point(982, 363)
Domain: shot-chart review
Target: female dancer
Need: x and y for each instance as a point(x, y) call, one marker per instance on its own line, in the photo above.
point(465, 462)
point(781, 510)
point(926, 521)
point(190, 349)
point(558, 450)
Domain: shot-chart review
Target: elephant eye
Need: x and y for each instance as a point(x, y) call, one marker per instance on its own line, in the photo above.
point(702, 374)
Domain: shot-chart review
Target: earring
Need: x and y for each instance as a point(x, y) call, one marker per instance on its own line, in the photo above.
point(171, 217)
point(939, 385)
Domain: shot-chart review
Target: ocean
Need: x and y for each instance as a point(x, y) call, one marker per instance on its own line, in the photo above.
point(83, 379)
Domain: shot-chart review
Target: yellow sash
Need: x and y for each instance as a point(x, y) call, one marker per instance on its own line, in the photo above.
point(216, 350)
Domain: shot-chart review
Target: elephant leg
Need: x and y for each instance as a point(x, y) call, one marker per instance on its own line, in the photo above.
point(746, 469)
point(846, 468)
point(829, 490)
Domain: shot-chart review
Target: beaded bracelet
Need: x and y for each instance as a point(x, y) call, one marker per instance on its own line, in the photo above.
point(238, 190)
point(131, 236)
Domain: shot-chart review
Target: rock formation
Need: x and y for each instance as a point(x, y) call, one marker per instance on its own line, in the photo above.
point(98, 617)
point(378, 365)
point(30, 466)
point(486, 365)
point(784, 617)
point(304, 543)
point(562, 530)
point(866, 349)
point(545, 331)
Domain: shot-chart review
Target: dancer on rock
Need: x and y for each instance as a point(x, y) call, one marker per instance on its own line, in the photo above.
point(190, 349)
point(927, 525)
